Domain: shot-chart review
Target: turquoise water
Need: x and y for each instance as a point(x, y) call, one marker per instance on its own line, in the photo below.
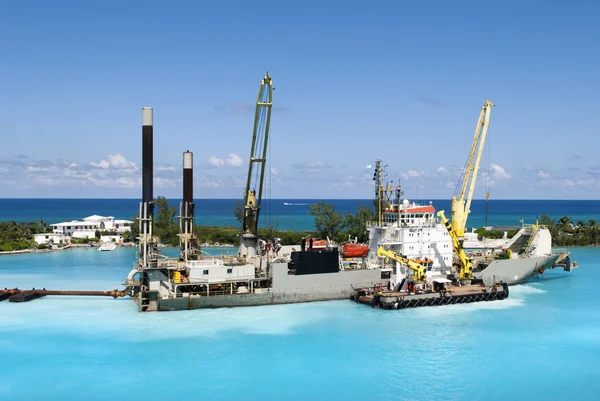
point(543, 342)
point(218, 212)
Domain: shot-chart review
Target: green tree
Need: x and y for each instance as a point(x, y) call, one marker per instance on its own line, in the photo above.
point(328, 223)
point(133, 234)
point(238, 211)
point(356, 224)
point(164, 224)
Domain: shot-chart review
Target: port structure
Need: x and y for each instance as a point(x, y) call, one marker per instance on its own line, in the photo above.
point(189, 246)
point(148, 251)
point(383, 191)
point(419, 271)
point(256, 169)
point(461, 206)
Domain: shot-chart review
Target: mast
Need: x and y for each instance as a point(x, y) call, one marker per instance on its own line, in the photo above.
point(383, 192)
point(256, 168)
point(379, 190)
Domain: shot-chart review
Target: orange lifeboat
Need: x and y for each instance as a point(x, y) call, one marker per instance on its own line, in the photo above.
point(315, 244)
point(355, 250)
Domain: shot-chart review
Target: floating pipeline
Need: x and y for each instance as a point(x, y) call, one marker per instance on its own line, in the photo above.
point(455, 295)
point(18, 295)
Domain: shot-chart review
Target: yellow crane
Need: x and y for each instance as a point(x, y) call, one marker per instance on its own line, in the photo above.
point(420, 271)
point(461, 207)
point(466, 267)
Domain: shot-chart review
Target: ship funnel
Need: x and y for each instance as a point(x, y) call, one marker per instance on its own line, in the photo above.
point(188, 176)
point(188, 190)
point(147, 157)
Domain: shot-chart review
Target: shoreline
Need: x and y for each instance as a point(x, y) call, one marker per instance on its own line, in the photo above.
point(125, 245)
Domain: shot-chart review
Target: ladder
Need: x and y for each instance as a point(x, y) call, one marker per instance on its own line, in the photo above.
point(529, 246)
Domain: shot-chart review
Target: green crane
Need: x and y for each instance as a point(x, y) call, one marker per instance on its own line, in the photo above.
point(256, 168)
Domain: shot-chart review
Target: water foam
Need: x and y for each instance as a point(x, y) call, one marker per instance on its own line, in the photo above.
point(120, 319)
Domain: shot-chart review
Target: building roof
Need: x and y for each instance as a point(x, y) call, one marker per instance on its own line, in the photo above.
point(122, 221)
point(74, 223)
point(95, 217)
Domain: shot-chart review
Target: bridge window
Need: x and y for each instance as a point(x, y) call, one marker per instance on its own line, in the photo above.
point(205, 272)
point(229, 271)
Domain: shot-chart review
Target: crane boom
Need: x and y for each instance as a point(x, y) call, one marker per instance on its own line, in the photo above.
point(462, 207)
point(256, 167)
point(466, 267)
point(420, 271)
point(258, 156)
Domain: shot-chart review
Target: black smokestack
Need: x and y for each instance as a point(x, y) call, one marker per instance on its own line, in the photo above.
point(188, 177)
point(188, 189)
point(147, 157)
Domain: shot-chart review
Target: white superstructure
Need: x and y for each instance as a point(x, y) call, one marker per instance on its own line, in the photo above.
point(412, 230)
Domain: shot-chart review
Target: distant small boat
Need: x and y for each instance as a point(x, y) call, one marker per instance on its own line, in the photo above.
point(295, 204)
point(107, 246)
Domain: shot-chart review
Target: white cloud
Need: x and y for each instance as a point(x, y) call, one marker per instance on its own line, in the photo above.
point(274, 171)
point(314, 165)
point(499, 173)
point(543, 175)
point(116, 161)
point(441, 170)
point(215, 161)
point(165, 182)
point(233, 160)
point(166, 168)
point(34, 168)
point(127, 182)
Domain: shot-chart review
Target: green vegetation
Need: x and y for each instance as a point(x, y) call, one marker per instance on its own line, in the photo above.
point(166, 227)
point(566, 233)
point(83, 240)
point(336, 226)
point(482, 232)
point(18, 236)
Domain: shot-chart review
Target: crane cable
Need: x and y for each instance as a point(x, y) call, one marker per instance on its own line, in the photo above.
point(269, 185)
point(487, 176)
point(487, 182)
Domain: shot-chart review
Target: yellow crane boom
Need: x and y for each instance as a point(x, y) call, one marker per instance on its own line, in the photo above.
point(420, 271)
point(461, 207)
point(466, 267)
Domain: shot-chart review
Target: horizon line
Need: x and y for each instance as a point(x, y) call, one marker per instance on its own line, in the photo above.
point(318, 199)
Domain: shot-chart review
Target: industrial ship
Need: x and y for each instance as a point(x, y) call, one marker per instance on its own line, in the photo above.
point(418, 238)
point(258, 275)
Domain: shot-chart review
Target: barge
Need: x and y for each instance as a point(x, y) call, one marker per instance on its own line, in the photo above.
point(444, 295)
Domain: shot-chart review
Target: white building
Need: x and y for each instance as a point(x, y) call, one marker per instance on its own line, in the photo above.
point(76, 229)
point(47, 238)
point(109, 223)
point(88, 226)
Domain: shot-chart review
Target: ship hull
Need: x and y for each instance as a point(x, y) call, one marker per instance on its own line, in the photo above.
point(514, 271)
point(286, 289)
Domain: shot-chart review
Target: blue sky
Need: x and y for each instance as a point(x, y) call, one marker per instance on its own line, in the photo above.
point(355, 81)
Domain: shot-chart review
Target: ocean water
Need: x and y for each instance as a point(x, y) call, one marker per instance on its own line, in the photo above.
point(218, 212)
point(541, 343)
